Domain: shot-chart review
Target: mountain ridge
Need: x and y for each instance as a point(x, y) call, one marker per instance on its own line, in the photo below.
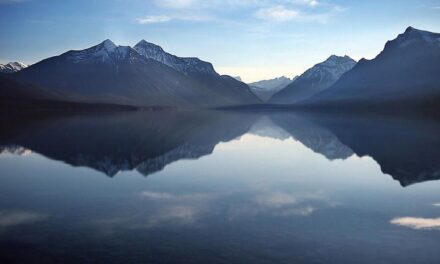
point(405, 74)
point(107, 73)
point(314, 80)
point(265, 89)
point(186, 65)
point(12, 67)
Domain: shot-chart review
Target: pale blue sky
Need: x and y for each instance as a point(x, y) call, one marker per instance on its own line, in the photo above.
point(255, 39)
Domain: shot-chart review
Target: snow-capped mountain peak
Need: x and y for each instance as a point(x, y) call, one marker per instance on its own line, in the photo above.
point(12, 67)
point(404, 75)
point(148, 47)
point(315, 80)
point(183, 65)
point(106, 51)
point(334, 66)
point(17, 65)
point(334, 59)
point(108, 45)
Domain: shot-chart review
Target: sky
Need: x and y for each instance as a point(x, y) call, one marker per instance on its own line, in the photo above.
point(253, 39)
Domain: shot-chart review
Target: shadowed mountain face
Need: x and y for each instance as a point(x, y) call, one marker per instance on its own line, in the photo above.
point(110, 74)
point(11, 90)
point(149, 141)
point(405, 73)
point(315, 80)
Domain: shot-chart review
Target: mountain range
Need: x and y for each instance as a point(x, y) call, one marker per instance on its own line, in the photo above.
point(405, 74)
point(141, 76)
point(315, 80)
point(12, 67)
point(267, 88)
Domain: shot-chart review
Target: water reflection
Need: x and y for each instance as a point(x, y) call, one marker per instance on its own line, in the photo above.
point(406, 149)
point(110, 143)
point(14, 218)
point(148, 141)
point(417, 222)
point(265, 188)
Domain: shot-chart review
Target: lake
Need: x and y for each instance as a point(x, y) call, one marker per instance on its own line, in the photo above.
point(218, 187)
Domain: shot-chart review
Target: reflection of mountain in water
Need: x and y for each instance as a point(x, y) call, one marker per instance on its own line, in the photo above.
point(146, 141)
point(185, 151)
point(316, 138)
point(15, 150)
point(264, 127)
point(407, 149)
point(149, 141)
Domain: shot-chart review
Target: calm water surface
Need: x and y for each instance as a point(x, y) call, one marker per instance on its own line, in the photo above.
point(213, 187)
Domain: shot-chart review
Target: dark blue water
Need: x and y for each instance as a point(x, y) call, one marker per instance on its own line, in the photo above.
point(214, 187)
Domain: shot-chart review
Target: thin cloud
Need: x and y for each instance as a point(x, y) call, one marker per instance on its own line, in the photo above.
point(204, 4)
point(166, 18)
point(311, 3)
point(180, 214)
point(277, 13)
point(417, 222)
point(283, 14)
point(14, 218)
point(211, 4)
point(157, 195)
point(176, 3)
point(276, 200)
point(220, 10)
point(153, 20)
point(303, 211)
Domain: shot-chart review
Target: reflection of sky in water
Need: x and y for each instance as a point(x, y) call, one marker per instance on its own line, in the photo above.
point(254, 198)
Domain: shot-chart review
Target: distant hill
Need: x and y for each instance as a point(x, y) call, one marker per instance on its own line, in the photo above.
point(266, 88)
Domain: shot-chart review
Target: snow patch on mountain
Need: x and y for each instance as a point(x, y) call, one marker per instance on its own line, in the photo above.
point(12, 67)
point(332, 68)
point(183, 65)
point(315, 80)
point(106, 51)
point(405, 74)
